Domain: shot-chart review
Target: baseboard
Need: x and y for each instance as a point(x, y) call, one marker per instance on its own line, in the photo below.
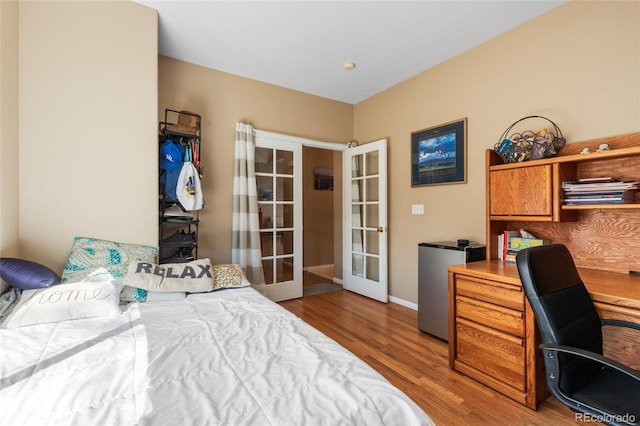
point(337, 280)
point(403, 302)
point(317, 267)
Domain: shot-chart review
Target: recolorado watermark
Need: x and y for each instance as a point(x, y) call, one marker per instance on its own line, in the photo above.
point(605, 418)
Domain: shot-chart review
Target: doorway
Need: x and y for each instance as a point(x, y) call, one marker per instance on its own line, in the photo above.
point(359, 214)
point(320, 224)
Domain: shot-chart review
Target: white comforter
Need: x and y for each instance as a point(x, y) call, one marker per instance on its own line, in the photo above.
point(226, 358)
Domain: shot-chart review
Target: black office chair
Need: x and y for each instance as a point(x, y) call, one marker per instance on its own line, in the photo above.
point(577, 373)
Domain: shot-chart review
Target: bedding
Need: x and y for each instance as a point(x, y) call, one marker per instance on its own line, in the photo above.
point(229, 357)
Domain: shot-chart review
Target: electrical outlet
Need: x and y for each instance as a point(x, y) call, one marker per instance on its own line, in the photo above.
point(417, 209)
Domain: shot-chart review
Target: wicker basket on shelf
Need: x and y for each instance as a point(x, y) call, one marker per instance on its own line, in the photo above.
point(529, 145)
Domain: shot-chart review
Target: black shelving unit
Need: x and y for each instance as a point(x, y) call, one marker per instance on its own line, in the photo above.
point(178, 229)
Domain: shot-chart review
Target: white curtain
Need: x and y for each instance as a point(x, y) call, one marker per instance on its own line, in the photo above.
point(245, 248)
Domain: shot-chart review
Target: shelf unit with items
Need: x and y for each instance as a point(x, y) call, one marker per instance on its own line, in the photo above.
point(530, 195)
point(180, 141)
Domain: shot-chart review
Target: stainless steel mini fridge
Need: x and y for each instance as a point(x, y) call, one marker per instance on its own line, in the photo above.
point(433, 294)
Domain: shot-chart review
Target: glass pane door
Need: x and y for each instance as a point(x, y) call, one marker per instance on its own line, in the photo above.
point(366, 238)
point(280, 219)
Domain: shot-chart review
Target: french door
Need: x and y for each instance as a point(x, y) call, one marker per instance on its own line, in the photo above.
point(365, 220)
point(278, 166)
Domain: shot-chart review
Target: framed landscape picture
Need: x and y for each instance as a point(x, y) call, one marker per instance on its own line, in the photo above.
point(438, 154)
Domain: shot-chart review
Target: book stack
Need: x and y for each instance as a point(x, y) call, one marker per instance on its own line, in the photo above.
point(520, 243)
point(511, 242)
point(503, 243)
point(598, 190)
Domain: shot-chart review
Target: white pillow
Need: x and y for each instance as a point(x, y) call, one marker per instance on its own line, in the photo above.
point(97, 295)
point(190, 277)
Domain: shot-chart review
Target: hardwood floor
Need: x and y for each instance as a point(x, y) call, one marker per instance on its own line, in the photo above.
point(309, 278)
point(387, 338)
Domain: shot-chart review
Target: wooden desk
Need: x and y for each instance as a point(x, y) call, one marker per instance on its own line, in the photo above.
point(492, 333)
point(616, 296)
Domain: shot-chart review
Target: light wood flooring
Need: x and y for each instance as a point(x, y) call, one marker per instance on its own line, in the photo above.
point(387, 338)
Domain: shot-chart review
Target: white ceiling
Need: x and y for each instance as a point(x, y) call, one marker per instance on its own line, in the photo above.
point(302, 45)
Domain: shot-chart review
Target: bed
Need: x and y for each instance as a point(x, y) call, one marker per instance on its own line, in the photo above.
point(225, 357)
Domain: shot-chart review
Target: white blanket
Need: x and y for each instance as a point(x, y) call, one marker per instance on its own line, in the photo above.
point(231, 357)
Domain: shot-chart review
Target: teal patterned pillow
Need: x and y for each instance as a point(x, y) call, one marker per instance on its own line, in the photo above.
point(89, 254)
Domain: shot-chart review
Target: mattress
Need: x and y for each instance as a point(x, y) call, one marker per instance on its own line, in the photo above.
point(230, 357)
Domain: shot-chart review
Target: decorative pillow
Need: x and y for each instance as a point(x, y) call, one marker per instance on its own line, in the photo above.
point(198, 276)
point(133, 294)
point(228, 276)
point(96, 296)
point(192, 277)
point(26, 275)
point(89, 254)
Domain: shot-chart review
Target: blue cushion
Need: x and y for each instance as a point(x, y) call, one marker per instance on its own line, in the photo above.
point(26, 275)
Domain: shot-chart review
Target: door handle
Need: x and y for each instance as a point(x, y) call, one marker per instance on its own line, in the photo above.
point(382, 229)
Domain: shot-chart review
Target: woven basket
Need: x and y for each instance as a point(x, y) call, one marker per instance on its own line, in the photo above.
point(529, 145)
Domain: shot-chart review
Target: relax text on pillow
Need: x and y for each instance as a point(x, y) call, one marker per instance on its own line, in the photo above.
point(204, 271)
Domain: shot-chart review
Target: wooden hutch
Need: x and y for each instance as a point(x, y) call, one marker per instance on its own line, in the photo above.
point(493, 336)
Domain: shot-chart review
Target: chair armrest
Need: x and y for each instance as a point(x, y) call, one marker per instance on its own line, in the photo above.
point(620, 323)
point(550, 348)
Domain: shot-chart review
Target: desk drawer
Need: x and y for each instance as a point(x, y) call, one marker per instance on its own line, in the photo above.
point(504, 319)
point(494, 353)
point(499, 293)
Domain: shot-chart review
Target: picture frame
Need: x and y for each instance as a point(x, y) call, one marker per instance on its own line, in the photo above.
point(439, 154)
point(323, 179)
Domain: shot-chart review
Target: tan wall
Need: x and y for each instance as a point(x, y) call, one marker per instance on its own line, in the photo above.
point(88, 125)
point(8, 131)
point(578, 64)
point(222, 100)
point(318, 210)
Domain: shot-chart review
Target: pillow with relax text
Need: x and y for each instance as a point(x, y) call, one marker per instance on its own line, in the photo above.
point(197, 276)
point(191, 277)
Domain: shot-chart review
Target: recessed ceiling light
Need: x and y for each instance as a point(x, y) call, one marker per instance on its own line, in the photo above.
point(348, 65)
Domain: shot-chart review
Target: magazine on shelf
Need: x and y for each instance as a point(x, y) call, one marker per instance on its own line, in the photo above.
point(599, 190)
point(599, 186)
point(596, 179)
